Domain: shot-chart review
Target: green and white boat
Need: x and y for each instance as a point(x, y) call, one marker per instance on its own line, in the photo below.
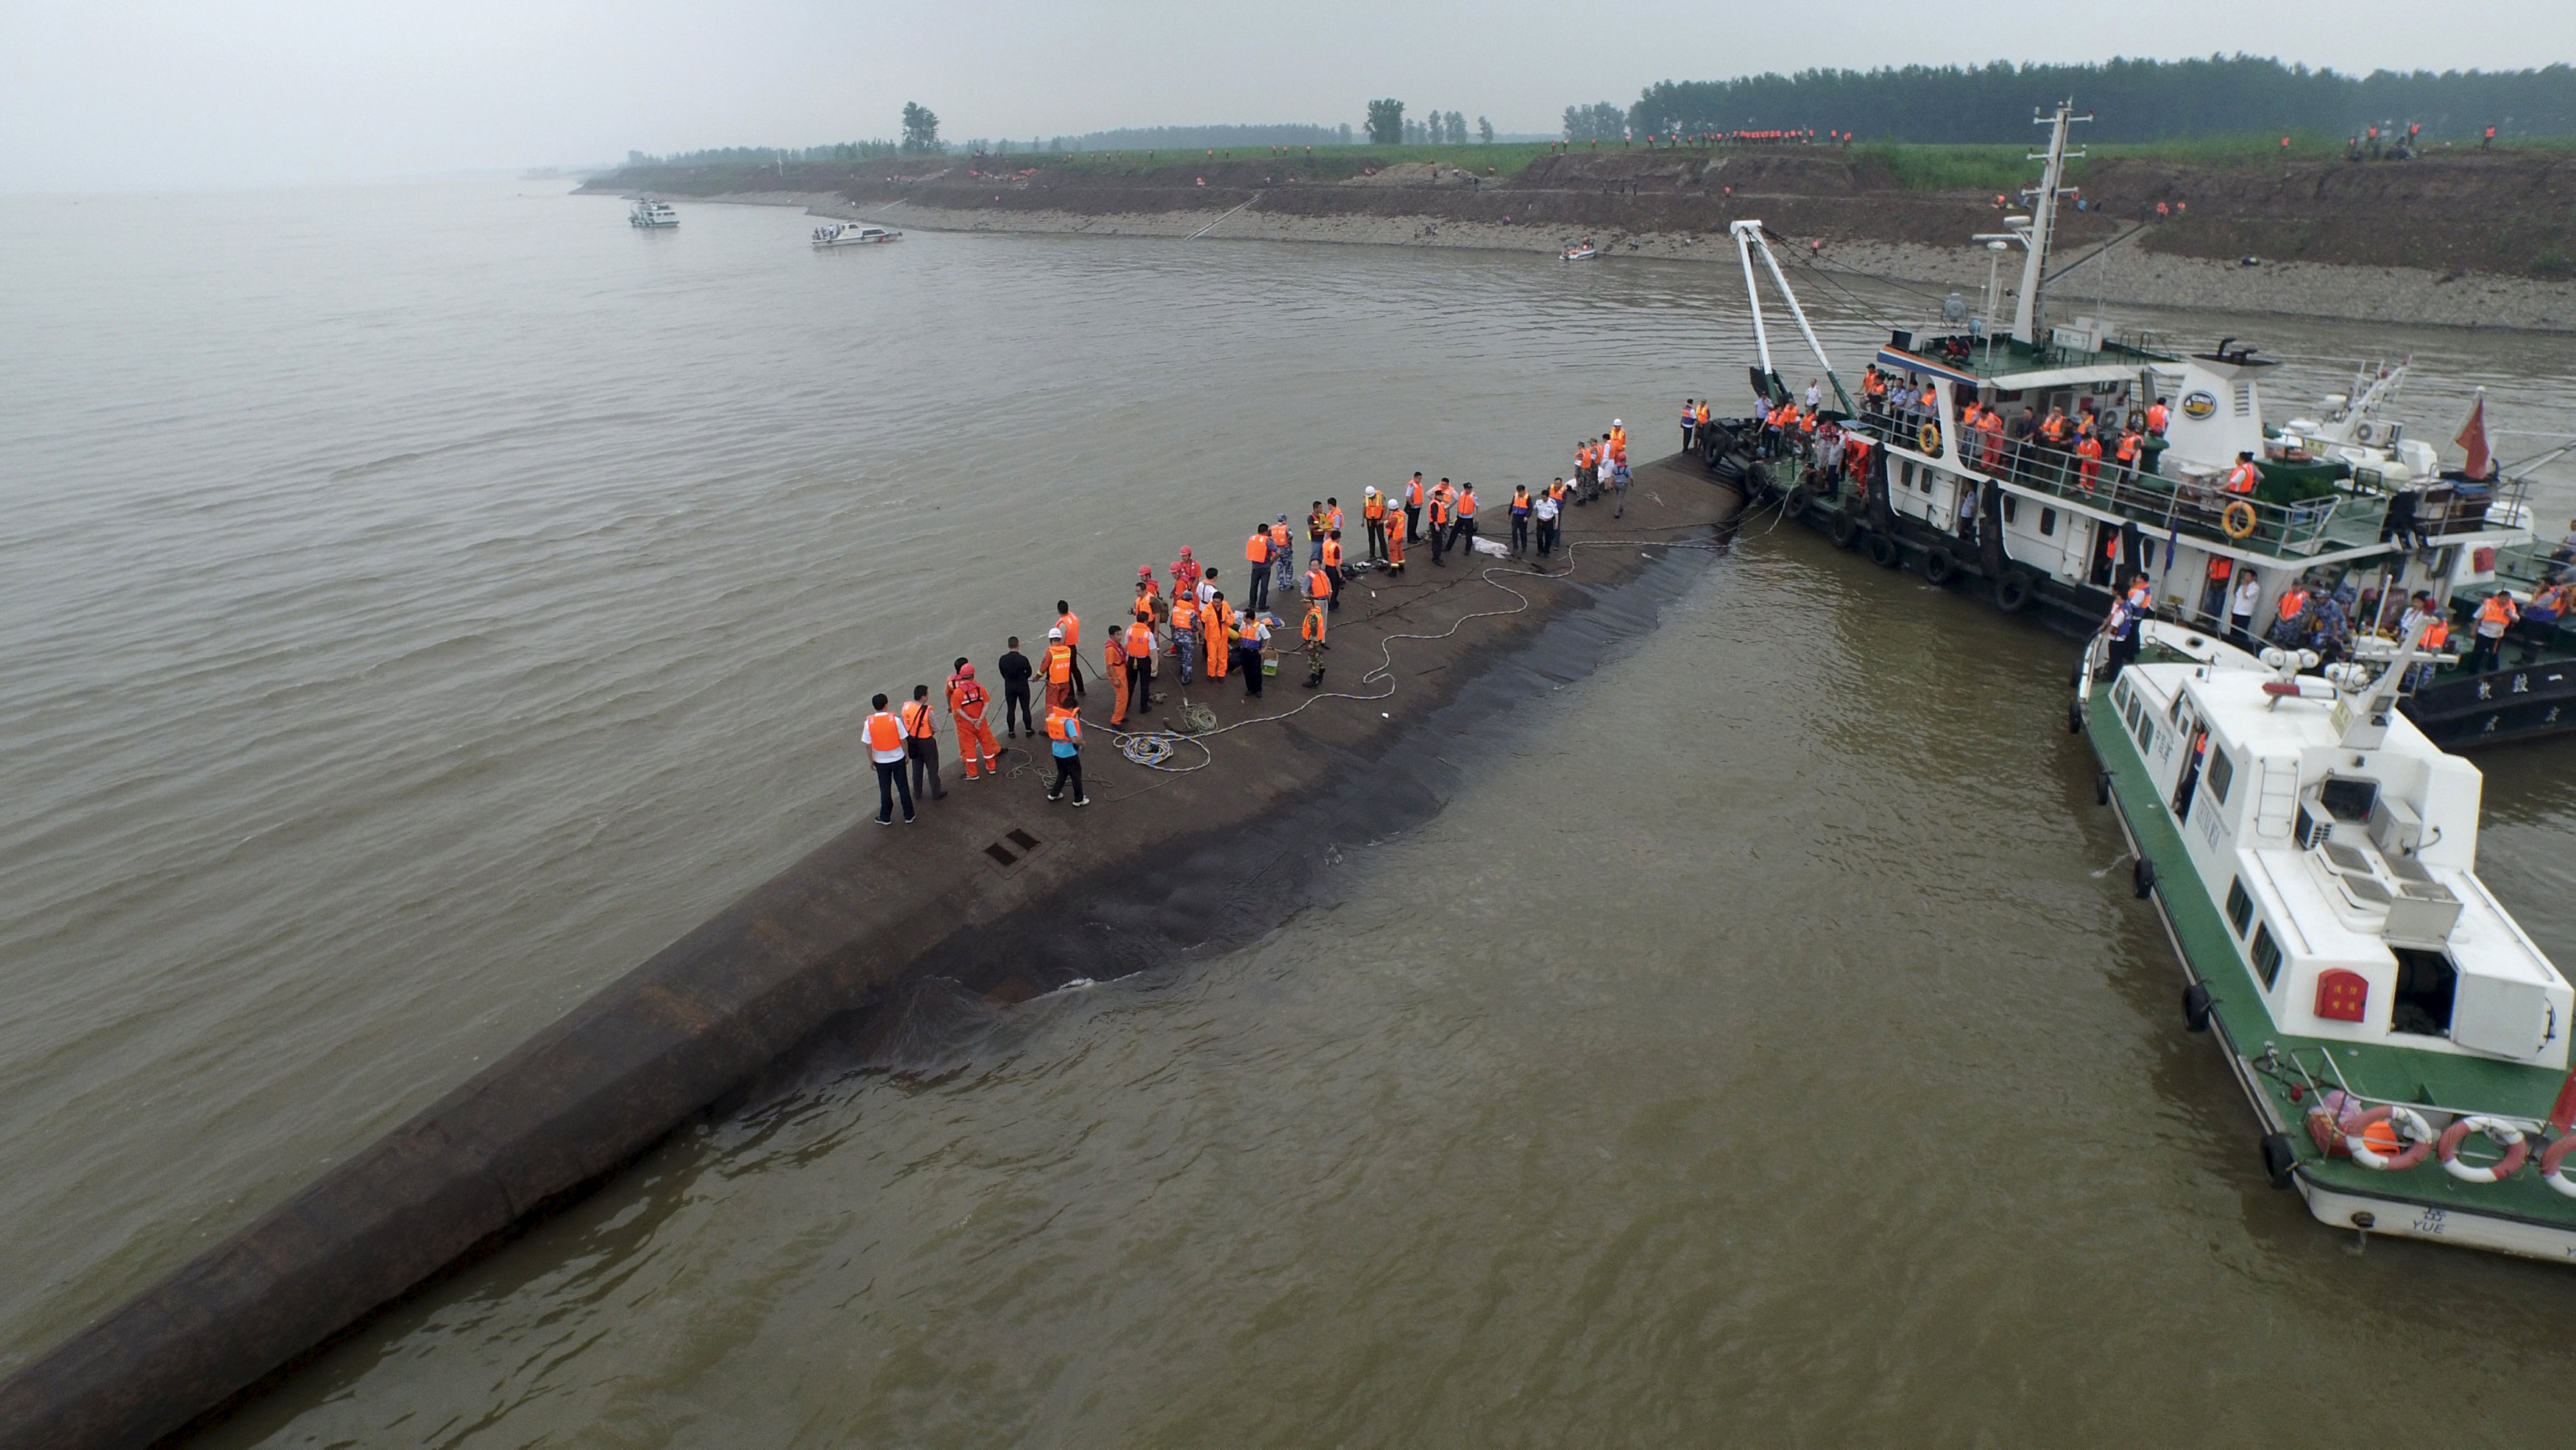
point(2314, 858)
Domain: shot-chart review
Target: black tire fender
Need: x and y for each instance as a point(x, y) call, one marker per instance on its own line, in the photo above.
point(2101, 787)
point(1940, 566)
point(2280, 1159)
point(2145, 877)
point(1843, 529)
point(2074, 717)
point(2015, 591)
point(2195, 1007)
point(1882, 550)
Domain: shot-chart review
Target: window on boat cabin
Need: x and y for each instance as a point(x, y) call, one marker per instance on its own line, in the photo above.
point(2240, 907)
point(2048, 521)
point(2267, 956)
point(2009, 510)
point(2222, 774)
point(1905, 474)
point(2426, 983)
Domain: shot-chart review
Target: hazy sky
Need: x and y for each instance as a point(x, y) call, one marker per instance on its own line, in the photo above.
point(118, 94)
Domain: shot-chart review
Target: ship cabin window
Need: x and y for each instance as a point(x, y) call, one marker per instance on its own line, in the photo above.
point(2009, 510)
point(2267, 956)
point(2222, 774)
point(2240, 907)
point(2426, 982)
point(2348, 799)
point(2048, 521)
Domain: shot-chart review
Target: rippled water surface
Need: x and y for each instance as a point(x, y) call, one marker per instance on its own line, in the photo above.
point(421, 603)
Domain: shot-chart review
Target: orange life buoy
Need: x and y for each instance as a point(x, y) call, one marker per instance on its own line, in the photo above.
point(2503, 1134)
point(2238, 520)
point(2375, 1137)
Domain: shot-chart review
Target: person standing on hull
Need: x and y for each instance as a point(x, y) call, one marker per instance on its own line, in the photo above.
point(1373, 515)
point(1312, 633)
point(921, 745)
point(1395, 547)
point(884, 735)
point(1519, 509)
point(1546, 510)
point(1256, 639)
point(1064, 681)
point(1113, 658)
point(1256, 567)
point(1333, 569)
point(967, 703)
point(2121, 625)
point(1014, 670)
point(1314, 531)
point(1283, 557)
point(1462, 535)
point(1216, 619)
point(1185, 634)
point(2241, 605)
point(2496, 616)
point(1690, 423)
point(1619, 487)
point(1064, 734)
point(1441, 501)
point(1413, 509)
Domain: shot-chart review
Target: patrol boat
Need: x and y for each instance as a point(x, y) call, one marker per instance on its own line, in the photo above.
point(652, 214)
point(2344, 498)
point(851, 234)
point(2403, 1043)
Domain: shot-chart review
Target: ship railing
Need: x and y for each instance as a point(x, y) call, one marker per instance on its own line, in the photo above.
point(2436, 1114)
point(2156, 503)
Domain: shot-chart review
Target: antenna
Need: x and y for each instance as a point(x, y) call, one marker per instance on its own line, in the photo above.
point(2028, 317)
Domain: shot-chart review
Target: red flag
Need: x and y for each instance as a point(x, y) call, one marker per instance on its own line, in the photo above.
point(2473, 438)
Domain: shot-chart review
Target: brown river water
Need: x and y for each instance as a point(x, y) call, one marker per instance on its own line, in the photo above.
point(423, 602)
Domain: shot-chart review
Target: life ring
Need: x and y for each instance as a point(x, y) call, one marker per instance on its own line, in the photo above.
point(2405, 1124)
point(2238, 520)
point(1939, 566)
point(2504, 1135)
point(2550, 1159)
point(1929, 435)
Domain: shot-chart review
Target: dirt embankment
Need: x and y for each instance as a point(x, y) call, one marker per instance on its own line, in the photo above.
point(2468, 238)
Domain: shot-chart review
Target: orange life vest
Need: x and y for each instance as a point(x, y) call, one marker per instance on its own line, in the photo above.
point(1058, 727)
point(1318, 584)
point(1440, 505)
point(2496, 611)
point(1467, 502)
point(1374, 509)
point(1313, 628)
point(1703, 414)
point(2156, 417)
point(1140, 640)
point(918, 722)
point(1144, 609)
point(1059, 663)
point(1072, 627)
point(2130, 446)
point(1333, 517)
point(883, 733)
point(1185, 614)
point(2089, 448)
point(2437, 635)
point(1279, 536)
point(1256, 550)
point(2053, 428)
point(2243, 477)
point(965, 699)
point(1618, 440)
point(1332, 553)
point(2292, 604)
point(1413, 494)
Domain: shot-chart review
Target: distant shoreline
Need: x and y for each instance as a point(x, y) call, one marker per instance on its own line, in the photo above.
point(2401, 295)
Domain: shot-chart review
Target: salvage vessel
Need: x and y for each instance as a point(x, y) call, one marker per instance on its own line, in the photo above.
point(2313, 856)
point(2341, 518)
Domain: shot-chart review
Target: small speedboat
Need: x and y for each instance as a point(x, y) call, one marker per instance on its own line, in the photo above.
point(1583, 253)
point(652, 213)
point(851, 234)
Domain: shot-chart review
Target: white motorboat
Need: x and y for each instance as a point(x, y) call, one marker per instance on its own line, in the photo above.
point(652, 213)
point(1583, 253)
point(851, 234)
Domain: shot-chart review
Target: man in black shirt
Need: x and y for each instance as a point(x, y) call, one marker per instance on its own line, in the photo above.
point(1014, 668)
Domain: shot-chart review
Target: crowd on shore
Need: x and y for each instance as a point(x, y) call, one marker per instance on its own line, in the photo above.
point(1204, 630)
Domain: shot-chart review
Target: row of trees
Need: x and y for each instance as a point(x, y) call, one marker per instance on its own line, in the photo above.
point(2136, 100)
point(1387, 126)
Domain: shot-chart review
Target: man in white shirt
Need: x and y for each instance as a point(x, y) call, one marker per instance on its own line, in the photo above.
point(1545, 511)
point(2240, 609)
point(1815, 396)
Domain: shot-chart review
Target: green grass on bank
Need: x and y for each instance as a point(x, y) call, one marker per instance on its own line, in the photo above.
point(1506, 158)
point(2002, 168)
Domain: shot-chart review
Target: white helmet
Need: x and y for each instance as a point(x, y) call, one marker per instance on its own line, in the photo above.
point(1055, 634)
point(1615, 423)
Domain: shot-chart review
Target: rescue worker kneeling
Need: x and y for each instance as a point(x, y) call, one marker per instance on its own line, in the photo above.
point(1064, 736)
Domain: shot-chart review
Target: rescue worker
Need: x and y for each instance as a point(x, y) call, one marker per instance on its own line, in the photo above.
point(1413, 509)
point(1548, 508)
point(966, 705)
point(1312, 632)
point(1703, 418)
point(2122, 627)
point(2088, 461)
point(1256, 565)
point(1319, 588)
point(1185, 574)
point(1254, 631)
point(2496, 614)
point(1062, 669)
point(1140, 667)
point(1373, 514)
point(1394, 549)
point(2157, 416)
point(1332, 515)
point(1014, 670)
point(1283, 557)
point(1520, 515)
point(1064, 731)
point(1441, 501)
point(1314, 531)
point(921, 743)
point(1690, 422)
point(2242, 478)
point(1333, 565)
point(2125, 458)
point(1462, 534)
point(1990, 438)
point(1113, 659)
point(884, 736)
point(1216, 618)
point(1618, 439)
point(1185, 634)
point(1619, 480)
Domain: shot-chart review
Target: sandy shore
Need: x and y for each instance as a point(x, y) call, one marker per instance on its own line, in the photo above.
point(2123, 275)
